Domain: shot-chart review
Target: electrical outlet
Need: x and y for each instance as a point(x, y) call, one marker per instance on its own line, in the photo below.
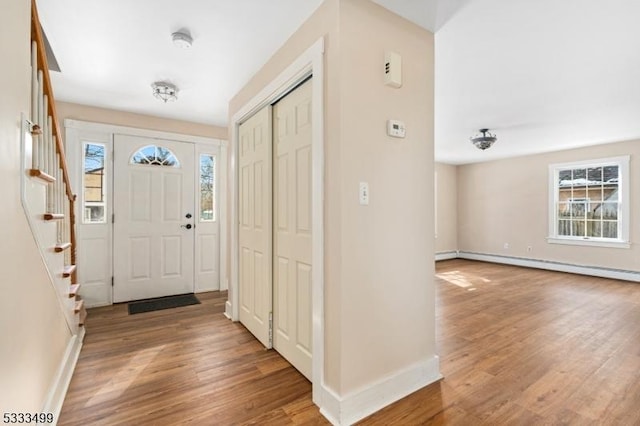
point(529, 249)
point(506, 246)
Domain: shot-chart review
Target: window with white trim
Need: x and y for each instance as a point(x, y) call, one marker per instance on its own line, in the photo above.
point(589, 202)
point(207, 188)
point(94, 189)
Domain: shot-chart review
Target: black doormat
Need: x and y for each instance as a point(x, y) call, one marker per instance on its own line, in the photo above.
point(159, 303)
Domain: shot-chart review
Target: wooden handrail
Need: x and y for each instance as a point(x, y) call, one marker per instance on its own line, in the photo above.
point(42, 65)
point(36, 35)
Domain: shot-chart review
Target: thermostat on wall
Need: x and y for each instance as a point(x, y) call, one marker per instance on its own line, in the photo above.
point(395, 128)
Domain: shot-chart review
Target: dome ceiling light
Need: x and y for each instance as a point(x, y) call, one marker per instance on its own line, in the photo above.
point(484, 139)
point(182, 39)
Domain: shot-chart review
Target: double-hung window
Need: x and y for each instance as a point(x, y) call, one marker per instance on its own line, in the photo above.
point(589, 202)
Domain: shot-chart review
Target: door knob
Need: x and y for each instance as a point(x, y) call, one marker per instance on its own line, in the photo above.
point(188, 226)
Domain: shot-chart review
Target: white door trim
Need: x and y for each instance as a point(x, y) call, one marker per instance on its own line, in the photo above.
point(310, 62)
point(135, 131)
point(80, 127)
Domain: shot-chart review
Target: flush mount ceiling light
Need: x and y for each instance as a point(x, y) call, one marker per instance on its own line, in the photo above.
point(164, 91)
point(182, 39)
point(484, 139)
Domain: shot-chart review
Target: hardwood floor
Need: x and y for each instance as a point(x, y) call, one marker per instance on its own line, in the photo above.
point(517, 346)
point(181, 365)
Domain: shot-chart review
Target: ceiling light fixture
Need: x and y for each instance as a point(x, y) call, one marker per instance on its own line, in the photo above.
point(484, 139)
point(182, 39)
point(164, 91)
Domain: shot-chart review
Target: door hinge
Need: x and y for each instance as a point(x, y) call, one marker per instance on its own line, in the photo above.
point(111, 281)
point(270, 329)
point(113, 218)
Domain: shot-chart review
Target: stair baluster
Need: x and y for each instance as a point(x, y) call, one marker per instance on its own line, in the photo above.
point(35, 149)
point(48, 163)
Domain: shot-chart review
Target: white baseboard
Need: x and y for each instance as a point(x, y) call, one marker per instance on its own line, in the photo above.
point(97, 304)
point(360, 404)
point(227, 310)
point(58, 389)
point(595, 271)
point(206, 289)
point(446, 255)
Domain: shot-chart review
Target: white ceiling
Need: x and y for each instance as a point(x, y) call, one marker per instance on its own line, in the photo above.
point(543, 75)
point(111, 51)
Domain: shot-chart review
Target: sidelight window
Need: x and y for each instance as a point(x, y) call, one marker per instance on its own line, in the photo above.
point(93, 183)
point(207, 188)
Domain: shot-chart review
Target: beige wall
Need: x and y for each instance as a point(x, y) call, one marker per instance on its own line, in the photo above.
point(379, 290)
point(446, 208)
point(507, 202)
point(387, 281)
point(122, 118)
point(33, 329)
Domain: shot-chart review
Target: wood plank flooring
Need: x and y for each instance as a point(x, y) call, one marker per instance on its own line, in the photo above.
point(517, 346)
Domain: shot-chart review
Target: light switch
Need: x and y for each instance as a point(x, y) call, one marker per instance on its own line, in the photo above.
point(364, 194)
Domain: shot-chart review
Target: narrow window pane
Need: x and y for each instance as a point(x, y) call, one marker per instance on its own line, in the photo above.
point(577, 228)
point(610, 192)
point(207, 188)
point(609, 211)
point(564, 227)
point(93, 182)
point(594, 175)
point(564, 211)
point(611, 174)
point(610, 229)
point(564, 178)
point(594, 228)
point(578, 208)
point(594, 194)
point(564, 194)
point(579, 176)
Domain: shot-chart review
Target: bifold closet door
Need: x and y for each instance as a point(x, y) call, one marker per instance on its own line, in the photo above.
point(255, 224)
point(292, 331)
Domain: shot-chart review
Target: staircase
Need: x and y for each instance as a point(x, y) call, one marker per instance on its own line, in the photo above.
point(47, 197)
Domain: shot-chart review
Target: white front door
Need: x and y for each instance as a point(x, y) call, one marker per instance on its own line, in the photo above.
point(153, 250)
point(292, 334)
point(255, 225)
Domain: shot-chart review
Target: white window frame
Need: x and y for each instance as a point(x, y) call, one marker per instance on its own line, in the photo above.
point(214, 156)
point(83, 201)
point(623, 204)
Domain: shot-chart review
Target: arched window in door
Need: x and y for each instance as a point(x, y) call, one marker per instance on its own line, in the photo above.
point(155, 156)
